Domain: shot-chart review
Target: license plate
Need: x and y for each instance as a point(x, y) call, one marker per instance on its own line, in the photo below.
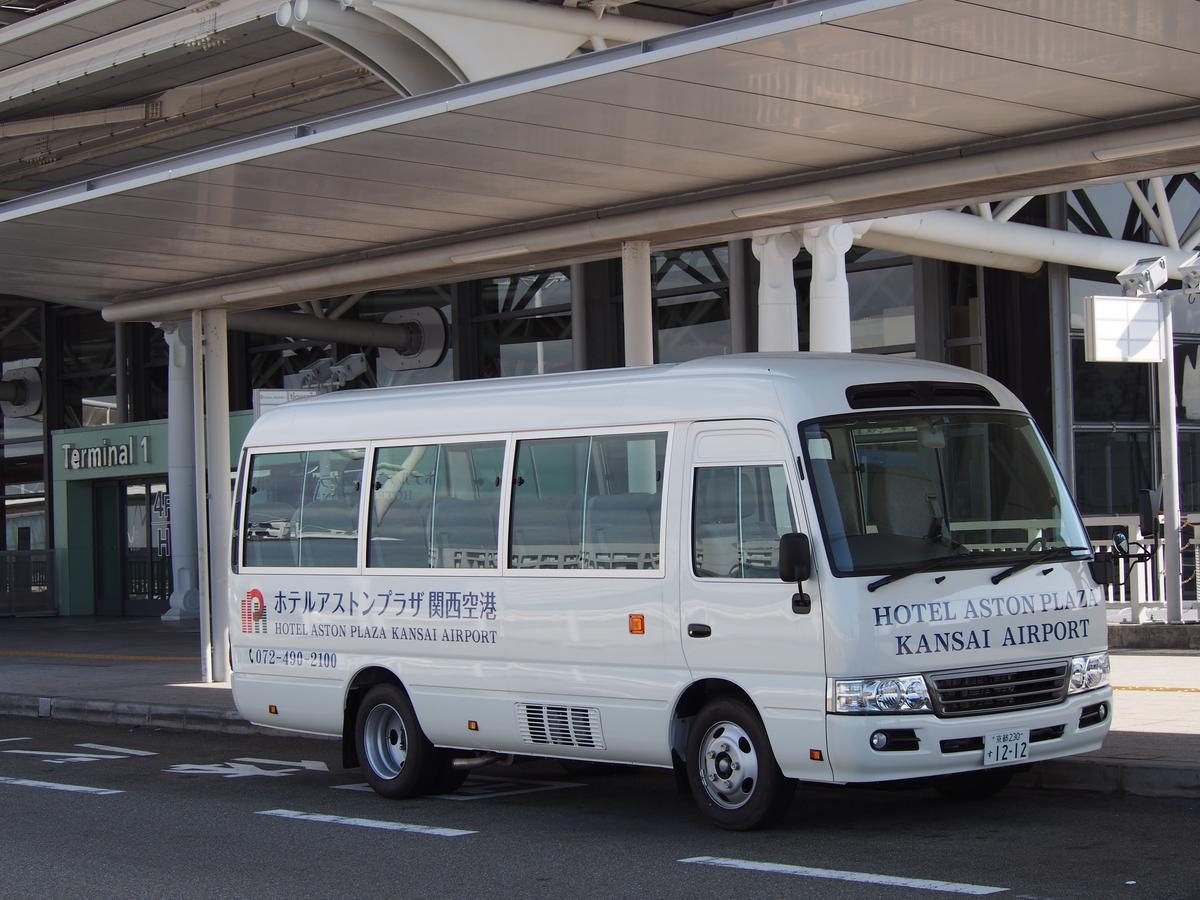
point(1006, 747)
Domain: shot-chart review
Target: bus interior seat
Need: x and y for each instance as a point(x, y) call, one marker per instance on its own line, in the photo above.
point(329, 534)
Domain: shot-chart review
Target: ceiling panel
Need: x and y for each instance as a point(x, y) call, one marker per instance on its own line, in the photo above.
point(684, 98)
point(762, 101)
point(670, 130)
point(841, 90)
point(1105, 56)
point(585, 145)
point(949, 68)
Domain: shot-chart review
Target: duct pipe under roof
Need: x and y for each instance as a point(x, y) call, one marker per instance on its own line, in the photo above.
point(1015, 239)
point(403, 337)
point(939, 181)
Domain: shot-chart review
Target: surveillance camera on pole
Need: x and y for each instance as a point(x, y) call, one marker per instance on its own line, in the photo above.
point(1189, 273)
point(1145, 276)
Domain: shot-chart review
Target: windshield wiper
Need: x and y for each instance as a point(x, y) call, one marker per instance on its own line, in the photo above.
point(1044, 556)
point(930, 565)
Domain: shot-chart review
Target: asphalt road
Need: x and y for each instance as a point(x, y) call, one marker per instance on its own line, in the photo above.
point(95, 811)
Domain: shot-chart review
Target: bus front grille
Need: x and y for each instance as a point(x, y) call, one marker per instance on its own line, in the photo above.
point(978, 691)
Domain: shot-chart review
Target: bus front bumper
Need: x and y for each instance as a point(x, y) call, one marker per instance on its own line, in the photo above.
point(918, 746)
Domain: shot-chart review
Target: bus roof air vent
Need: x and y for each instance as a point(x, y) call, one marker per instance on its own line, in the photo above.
point(919, 393)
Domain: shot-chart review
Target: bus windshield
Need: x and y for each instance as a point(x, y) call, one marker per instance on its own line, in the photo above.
point(901, 491)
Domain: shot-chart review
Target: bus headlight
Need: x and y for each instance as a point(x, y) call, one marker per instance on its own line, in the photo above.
point(1088, 672)
point(892, 694)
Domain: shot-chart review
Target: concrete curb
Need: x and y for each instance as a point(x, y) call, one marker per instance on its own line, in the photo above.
point(1117, 776)
point(143, 715)
point(1154, 636)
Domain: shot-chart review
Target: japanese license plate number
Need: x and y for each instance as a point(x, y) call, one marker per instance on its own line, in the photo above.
point(1006, 747)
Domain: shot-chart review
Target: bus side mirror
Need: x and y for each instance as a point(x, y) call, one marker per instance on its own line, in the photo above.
point(1121, 541)
point(795, 558)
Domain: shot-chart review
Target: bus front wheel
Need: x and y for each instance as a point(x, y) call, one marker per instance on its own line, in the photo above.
point(732, 770)
point(395, 754)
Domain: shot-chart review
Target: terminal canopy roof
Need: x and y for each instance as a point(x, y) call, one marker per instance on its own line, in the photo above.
point(809, 111)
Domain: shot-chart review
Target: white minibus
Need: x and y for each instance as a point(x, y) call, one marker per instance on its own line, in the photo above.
point(756, 570)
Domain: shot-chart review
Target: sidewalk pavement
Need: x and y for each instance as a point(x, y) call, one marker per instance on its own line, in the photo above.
point(141, 672)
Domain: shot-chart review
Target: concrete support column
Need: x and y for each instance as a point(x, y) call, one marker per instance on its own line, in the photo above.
point(777, 317)
point(1169, 451)
point(639, 304)
point(829, 291)
point(210, 374)
point(579, 359)
point(737, 296)
point(181, 474)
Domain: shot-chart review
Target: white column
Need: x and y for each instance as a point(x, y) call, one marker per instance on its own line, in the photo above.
point(639, 304)
point(181, 473)
point(1169, 454)
point(829, 292)
point(777, 317)
point(216, 439)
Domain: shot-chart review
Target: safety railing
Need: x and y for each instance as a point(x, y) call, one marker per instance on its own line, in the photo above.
point(27, 583)
point(1138, 592)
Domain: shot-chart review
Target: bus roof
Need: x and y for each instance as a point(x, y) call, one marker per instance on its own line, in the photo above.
point(788, 387)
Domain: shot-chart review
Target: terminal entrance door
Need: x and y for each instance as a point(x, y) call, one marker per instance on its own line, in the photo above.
point(147, 551)
point(133, 548)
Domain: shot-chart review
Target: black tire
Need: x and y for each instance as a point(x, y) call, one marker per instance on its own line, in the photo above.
point(978, 785)
point(731, 769)
point(443, 777)
point(394, 753)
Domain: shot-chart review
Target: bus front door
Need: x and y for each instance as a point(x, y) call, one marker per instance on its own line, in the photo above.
point(740, 622)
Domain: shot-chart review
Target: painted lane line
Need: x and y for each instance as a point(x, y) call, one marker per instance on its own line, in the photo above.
point(922, 884)
point(365, 823)
point(70, 754)
point(13, 740)
point(55, 786)
point(127, 751)
point(310, 764)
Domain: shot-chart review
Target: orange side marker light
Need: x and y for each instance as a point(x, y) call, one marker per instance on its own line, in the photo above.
point(815, 755)
point(637, 623)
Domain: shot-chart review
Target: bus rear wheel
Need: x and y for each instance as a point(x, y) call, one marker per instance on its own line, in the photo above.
point(732, 770)
point(395, 754)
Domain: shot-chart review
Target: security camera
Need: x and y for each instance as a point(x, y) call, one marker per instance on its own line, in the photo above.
point(1189, 272)
point(1145, 276)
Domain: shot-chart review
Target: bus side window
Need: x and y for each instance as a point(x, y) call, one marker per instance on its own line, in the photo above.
point(276, 482)
point(327, 523)
point(738, 515)
point(588, 502)
point(435, 506)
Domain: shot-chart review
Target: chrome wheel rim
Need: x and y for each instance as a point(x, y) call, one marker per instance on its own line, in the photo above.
point(728, 765)
point(385, 742)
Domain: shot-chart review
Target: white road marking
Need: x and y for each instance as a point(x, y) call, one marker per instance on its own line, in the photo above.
point(12, 740)
point(124, 750)
point(311, 764)
point(481, 787)
point(65, 757)
point(365, 823)
point(923, 884)
point(484, 787)
point(55, 786)
point(230, 770)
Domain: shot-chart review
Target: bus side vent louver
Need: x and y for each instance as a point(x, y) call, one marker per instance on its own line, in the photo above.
point(560, 726)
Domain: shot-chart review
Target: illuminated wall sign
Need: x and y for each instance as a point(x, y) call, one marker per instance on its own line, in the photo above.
point(133, 452)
